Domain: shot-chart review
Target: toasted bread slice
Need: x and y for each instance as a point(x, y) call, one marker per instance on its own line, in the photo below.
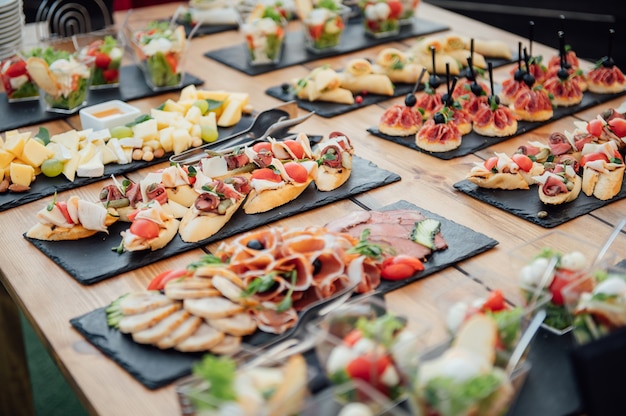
point(39, 71)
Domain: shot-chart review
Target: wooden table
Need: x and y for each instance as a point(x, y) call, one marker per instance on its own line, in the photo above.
point(49, 297)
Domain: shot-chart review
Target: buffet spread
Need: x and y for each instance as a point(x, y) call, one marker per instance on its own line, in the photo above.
point(266, 318)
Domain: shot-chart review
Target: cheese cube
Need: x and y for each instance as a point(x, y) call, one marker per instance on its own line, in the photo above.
point(108, 156)
point(171, 105)
point(15, 143)
point(87, 152)
point(68, 139)
point(69, 169)
point(181, 140)
point(166, 140)
point(189, 93)
point(193, 114)
point(215, 95)
point(116, 147)
point(231, 114)
point(35, 153)
point(146, 130)
point(5, 158)
point(21, 174)
point(165, 118)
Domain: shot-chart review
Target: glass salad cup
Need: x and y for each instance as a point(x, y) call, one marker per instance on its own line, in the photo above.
point(408, 11)
point(159, 49)
point(547, 264)
point(17, 82)
point(365, 339)
point(107, 48)
point(596, 301)
point(266, 388)
point(381, 18)
point(323, 29)
point(472, 298)
point(264, 39)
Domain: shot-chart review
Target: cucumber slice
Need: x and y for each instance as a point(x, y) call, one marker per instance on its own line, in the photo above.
point(424, 232)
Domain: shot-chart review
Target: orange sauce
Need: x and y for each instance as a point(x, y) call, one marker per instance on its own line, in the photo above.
point(107, 113)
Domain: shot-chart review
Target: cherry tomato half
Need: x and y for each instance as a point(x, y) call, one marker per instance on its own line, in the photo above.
point(262, 146)
point(491, 162)
point(495, 301)
point(266, 174)
point(144, 228)
point(159, 281)
point(591, 157)
point(594, 127)
point(524, 162)
point(618, 126)
point(296, 148)
point(297, 172)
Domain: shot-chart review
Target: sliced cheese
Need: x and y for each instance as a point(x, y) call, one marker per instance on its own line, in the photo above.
point(93, 168)
point(15, 143)
point(5, 158)
point(21, 174)
point(146, 130)
point(68, 139)
point(35, 153)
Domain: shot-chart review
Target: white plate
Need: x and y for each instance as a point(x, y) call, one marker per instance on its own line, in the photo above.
point(9, 5)
point(5, 17)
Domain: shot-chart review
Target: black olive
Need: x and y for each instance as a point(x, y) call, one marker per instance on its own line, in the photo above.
point(495, 98)
point(410, 100)
point(439, 118)
point(608, 62)
point(476, 89)
point(519, 75)
point(285, 87)
point(317, 266)
point(434, 81)
point(446, 99)
point(563, 74)
point(567, 65)
point(255, 245)
point(529, 79)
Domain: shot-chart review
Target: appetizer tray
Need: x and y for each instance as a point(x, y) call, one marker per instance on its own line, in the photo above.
point(472, 142)
point(44, 186)
point(155, 368)
point(132, 86)
point(92, 259)
point(525, 203)
point(294, 52)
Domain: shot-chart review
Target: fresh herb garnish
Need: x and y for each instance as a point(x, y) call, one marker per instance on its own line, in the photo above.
point(287, 302)
point(365, 248)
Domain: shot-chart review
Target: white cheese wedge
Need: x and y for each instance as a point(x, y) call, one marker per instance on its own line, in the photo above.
point(214, 166)
point(93, 168)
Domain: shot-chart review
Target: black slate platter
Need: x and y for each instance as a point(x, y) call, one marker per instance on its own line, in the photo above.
point(295, 53)
point(326, 109)
point(472, 142)
point(92, 259)
point(155, 368)
point(132, 86)
point(44, 186)
point(526, 203)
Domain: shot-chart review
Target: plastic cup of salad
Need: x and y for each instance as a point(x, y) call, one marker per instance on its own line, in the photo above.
point(408, 11)
point(108, 51)
point(264, 32)
point(159, 49)
point(18, 84)
point(323, 29)
point(382, 17)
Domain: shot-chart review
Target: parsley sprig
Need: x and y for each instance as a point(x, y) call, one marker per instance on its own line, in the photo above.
point(368, 249)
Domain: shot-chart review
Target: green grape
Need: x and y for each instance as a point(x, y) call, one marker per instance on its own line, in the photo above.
point(203, 105)
point(208, 133)
point(52, 167)
point(119, 132)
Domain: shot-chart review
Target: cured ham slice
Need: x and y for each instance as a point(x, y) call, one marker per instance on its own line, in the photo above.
point(605, 80)
point(533, 105)
point(566, 92)
point(399, 120)
point(498, 122)
point(271, 321)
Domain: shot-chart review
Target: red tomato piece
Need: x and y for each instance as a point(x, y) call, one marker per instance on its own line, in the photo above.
point(159, 281)
point(594, 127)
point(262, 146)
point(368, 368)
point(172, 61)
point(316, 31)
point(144, 228)
point(296, 148)
point(618, 126)
point(111, 75)
point(591, 157)
point(16, 69)
point(491, 162)
point(62, 205)
point(396, 9)
point(495, 301)
point(266, 174)
point(524, 162)
point(398, 271)
point(352, 337)
point(102, 60)
point(561, 279)
point(296, 171)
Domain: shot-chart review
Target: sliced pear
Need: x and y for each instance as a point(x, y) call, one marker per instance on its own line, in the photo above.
point(39, 71)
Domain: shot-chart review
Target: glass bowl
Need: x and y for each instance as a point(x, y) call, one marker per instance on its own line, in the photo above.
point(159, 49)
point(17, 82)
point(107, 48)
point(546, 265)
point(366, 339)
point(323, 29)
point(264, 38)
point(267, 389)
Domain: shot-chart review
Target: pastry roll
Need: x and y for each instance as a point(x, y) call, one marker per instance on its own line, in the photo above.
point(372, 83)
point(358, 67)
point(491, 48)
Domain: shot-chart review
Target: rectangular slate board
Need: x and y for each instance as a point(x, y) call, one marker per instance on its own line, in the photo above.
point(132, 86)
point(294, 51)
point(44, 186)
point(473, 142)
point(92, 259)
point(156, 368)
point(525, 203)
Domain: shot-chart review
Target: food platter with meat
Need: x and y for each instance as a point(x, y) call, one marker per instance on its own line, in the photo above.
point(270, 279)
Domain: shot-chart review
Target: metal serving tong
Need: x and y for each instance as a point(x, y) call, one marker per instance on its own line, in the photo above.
point(266, 123)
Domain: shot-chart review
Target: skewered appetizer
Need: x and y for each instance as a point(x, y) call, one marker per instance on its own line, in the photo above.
point(606, 77)
point(439, 134)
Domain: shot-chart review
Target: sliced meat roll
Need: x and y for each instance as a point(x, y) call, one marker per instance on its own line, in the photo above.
point(213, 307)
point(181, 333)
point(240, 324)
point(139, 302)
point(202, 339)
point(164, 327)
point(141, 321)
